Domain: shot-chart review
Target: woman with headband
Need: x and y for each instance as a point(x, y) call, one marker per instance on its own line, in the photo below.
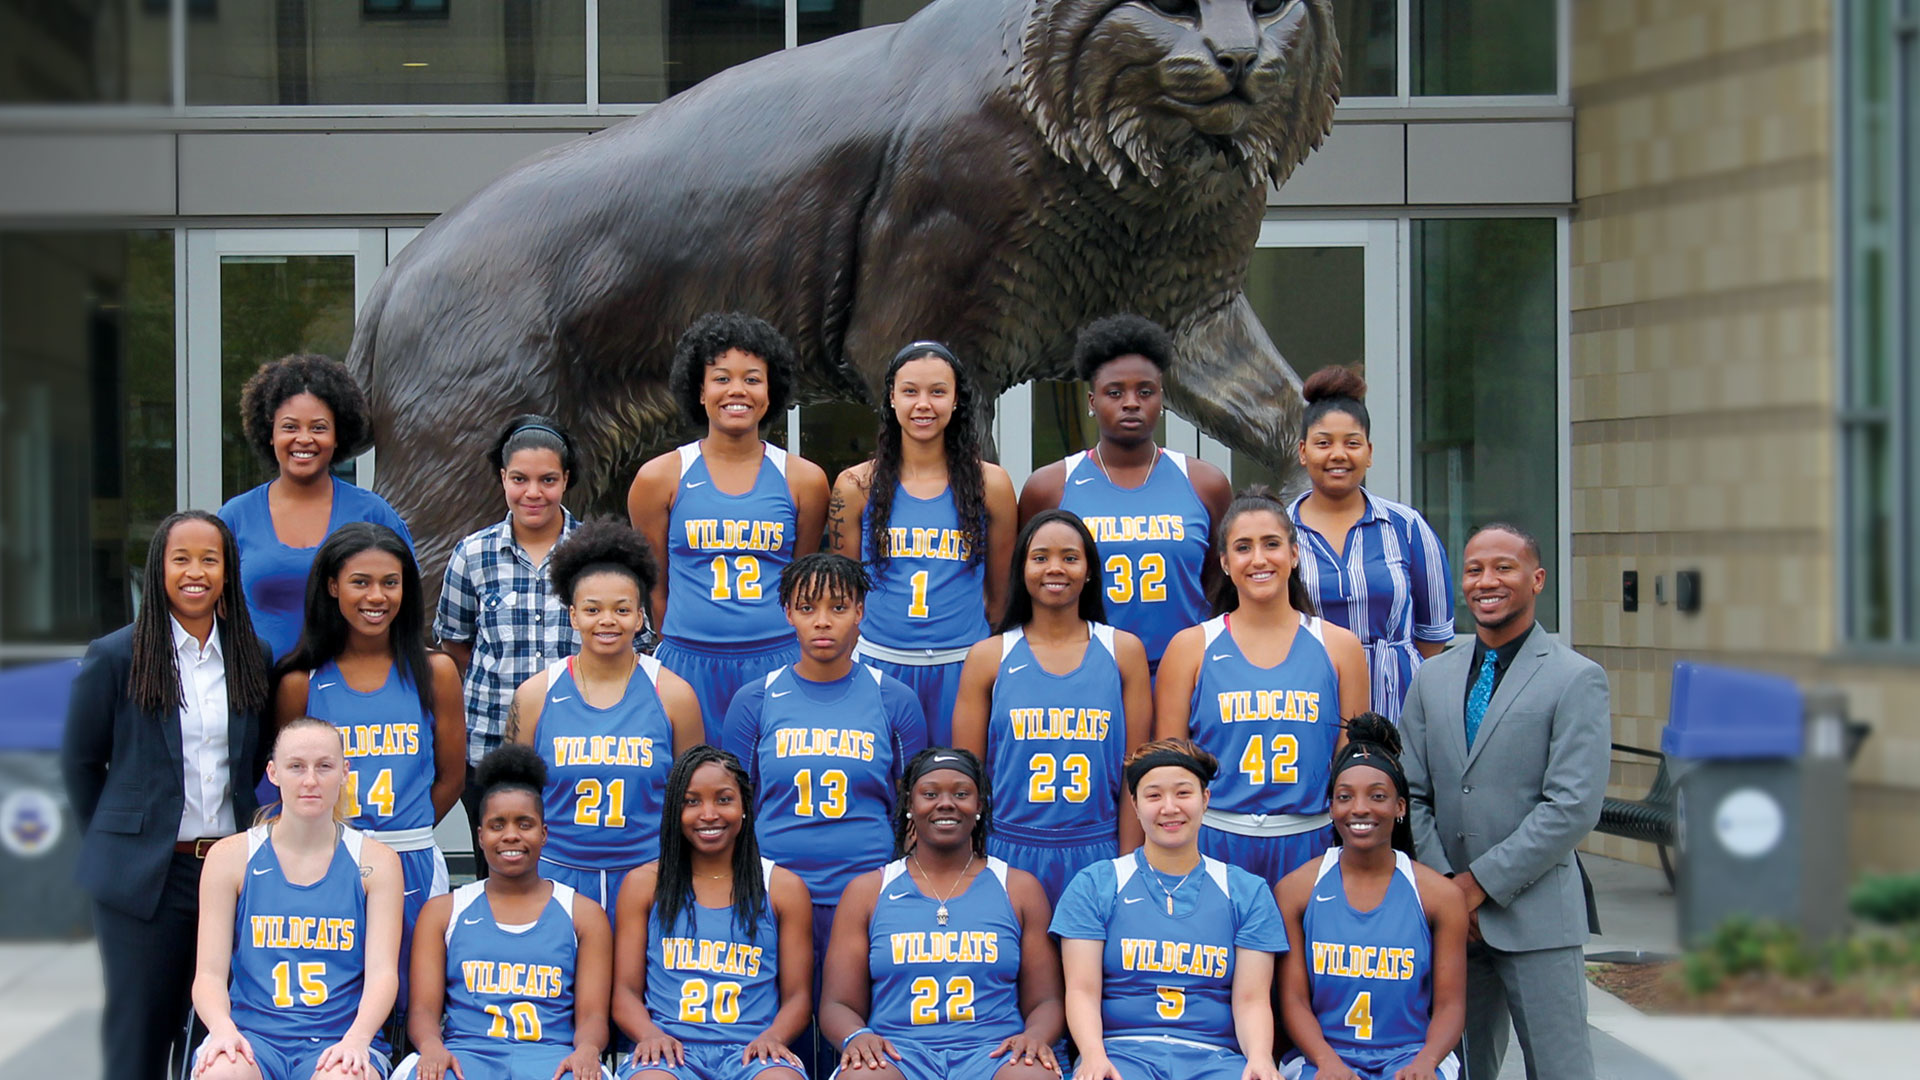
point(500, 618)
point(940, 966)
point(1263, 688)
point(1053, 705)
point(1168, 952)
point(928, 517)
point(1375, 986)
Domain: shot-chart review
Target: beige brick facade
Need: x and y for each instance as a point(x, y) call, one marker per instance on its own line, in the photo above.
point(1703, 252)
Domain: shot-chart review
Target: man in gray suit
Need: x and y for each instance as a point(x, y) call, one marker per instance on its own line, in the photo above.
point(1506, 751)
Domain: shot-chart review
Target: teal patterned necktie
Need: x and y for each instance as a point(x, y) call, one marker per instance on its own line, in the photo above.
point(1480, 695)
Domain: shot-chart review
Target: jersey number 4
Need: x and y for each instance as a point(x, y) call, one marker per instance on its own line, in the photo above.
point(1284, 749)
point(926, 1000)
point(1079, 773)
point(745, 581)
point(1360, 1016)
point(1152, 569)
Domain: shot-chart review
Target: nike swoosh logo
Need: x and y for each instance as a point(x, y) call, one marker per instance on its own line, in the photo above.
point(324, 685)
point(695, 484)
point(558, 700)
point(1134, 900)
point(1016, 670)
point(1221, 656)
point(895, 895)
point(1321, 899)
point(471, 922)
point(780, 693)
point(411, 892)
point(1083, 480)
point(263, 870)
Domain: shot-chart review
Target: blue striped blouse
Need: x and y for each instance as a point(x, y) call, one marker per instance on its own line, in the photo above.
point(1391, 587)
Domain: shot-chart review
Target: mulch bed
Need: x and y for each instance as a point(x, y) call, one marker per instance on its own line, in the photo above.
point(1658, 989)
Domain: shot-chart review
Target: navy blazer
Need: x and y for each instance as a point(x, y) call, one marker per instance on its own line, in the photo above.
point(125, 778)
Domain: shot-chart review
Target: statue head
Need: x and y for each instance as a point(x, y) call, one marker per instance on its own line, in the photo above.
point(1148, 89)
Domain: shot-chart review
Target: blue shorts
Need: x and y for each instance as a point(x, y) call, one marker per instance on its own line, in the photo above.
point(921, 1062)
point(936, 685)
point(423, 874)
point(1169, 1058)
point(499, 1059)
point(600, 886)
point(1269, 858)
point(1378, 1066)
point(711, 1061)
point(717, 672)
point(1054, 866)
point(295, 1059)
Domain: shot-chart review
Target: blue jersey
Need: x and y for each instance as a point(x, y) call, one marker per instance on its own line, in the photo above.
point(825, 759)
point(950, 987)
point(707, 980)
point(931, 593)
point(1370, 972)
point(1055, 744)
point(299, 951)
point(273, 575)
point(1389, 585)
point(725, 553)
point(1169, 973)
point(1153, 545)
point(606, 770)
point(1273, 729)
point(509, 986)
point(389, 740)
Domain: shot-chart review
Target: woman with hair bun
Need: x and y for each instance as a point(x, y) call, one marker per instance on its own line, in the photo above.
point(929, 518)
point(301, 413)
point(1375, 985)
point(499, 618)
point(1372, 565)
point(1263, 687)
point(608, 722)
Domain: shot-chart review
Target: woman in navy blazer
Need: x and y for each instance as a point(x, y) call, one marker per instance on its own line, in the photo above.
point(176, 697)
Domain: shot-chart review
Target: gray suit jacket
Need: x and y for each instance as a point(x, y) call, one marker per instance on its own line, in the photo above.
point(1512, 809)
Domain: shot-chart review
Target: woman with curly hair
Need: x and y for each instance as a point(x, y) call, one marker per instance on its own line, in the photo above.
point(608, 721)
point(730, 510)
point(301, 413)
point(927, 517)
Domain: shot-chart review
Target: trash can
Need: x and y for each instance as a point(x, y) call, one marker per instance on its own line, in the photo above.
point(1760, 775)
point(39, 838)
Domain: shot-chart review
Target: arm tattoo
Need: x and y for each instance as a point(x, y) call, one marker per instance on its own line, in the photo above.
point(513, 720)
point(836, 523)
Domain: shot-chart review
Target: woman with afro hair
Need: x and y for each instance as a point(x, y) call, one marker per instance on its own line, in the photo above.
point(730, 510)
point(301, 413)
point(608, 722)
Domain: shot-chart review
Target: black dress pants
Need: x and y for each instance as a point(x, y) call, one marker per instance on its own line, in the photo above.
point(148, 968)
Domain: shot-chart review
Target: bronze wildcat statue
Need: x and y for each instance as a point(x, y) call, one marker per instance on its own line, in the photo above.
point(991, 173)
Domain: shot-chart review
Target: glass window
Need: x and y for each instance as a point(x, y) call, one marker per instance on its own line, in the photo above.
point(389, 52)
point(652, 49)
point(56, 52)
point(1485, 376)
point(1880, 453)
point(821, 19)
point(1283, 283)
point(272, 305)
point(1369, 47)
point(1482, 47)
point(87, 464)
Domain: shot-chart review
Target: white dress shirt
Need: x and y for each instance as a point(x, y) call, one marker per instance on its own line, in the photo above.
point(204, 753)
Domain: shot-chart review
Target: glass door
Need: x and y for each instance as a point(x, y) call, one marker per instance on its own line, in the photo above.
point(255, 295)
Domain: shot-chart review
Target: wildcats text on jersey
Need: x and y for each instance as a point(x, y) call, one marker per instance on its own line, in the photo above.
point(951, 545)
point(715, 957)
point(514, 980)
point(603, 750)
point(1060, 723)
point(1175, 957)
point(715, 534)
point(823, 742)
point(1299, 706)
point(364, 740)
point(1123, 528)
point(1364, 961)
point(945, 947)
point(303, 932)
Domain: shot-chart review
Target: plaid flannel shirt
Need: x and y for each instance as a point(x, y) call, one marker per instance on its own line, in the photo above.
point(496, 600)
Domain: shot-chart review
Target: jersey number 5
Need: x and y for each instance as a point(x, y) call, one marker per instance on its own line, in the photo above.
point(1172, 1004)
point(1152, 569)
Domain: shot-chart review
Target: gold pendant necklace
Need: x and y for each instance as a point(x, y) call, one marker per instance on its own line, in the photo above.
point(940, 913)
point(1154, 876)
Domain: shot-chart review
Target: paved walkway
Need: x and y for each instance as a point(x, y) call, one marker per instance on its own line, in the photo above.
point(50, 996)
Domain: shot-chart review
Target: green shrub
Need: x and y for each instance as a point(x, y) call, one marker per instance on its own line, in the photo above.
point(1887, 898)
